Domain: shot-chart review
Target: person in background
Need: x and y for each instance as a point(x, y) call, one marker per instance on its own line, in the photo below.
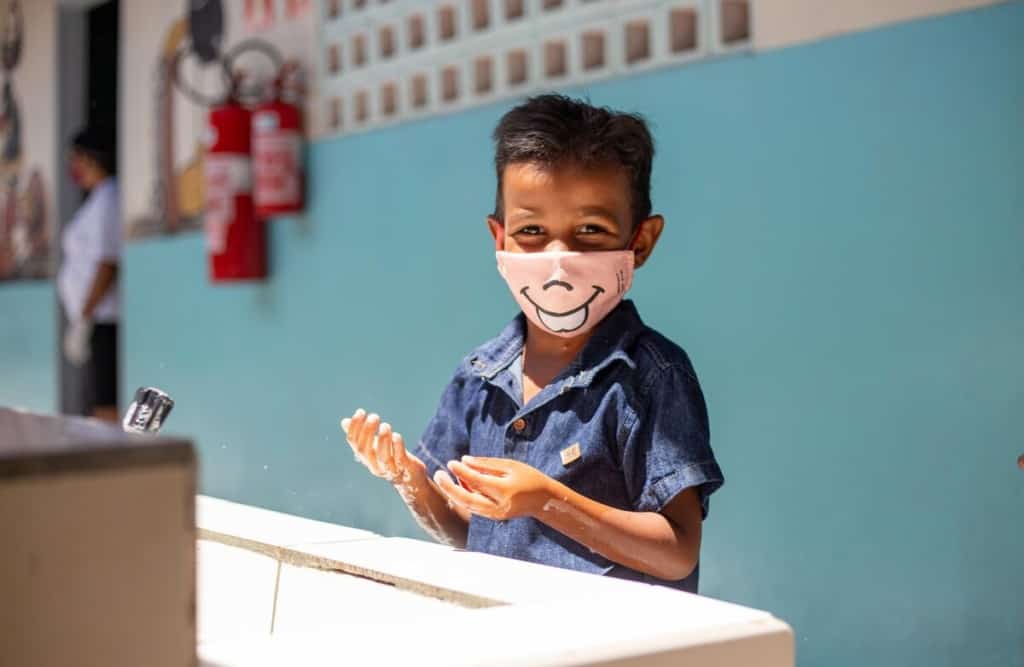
point(87, 281)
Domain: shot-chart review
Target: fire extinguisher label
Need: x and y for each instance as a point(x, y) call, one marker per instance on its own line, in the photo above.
point(216, 236)
point(277, 164)
point(265, 121)
point(227, 176)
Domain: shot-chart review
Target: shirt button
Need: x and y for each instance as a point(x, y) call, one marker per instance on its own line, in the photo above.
point(519, 425)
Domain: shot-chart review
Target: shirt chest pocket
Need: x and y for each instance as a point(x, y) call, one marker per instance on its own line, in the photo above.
point(582, 456)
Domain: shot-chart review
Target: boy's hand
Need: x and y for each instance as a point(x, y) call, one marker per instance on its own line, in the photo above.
point(380, 449)
point(498, 489)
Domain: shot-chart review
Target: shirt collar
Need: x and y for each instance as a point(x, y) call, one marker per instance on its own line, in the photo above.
point(105, 184)
point(611, 341)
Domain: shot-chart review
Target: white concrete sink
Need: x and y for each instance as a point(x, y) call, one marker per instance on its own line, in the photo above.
point(280, 590)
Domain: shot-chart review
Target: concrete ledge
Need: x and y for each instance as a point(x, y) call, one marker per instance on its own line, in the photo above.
point(276, 589)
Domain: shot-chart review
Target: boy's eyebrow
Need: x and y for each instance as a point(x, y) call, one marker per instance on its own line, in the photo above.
point(520, 211)
point(599, 212)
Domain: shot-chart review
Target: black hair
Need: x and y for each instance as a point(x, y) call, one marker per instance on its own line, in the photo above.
point(100, 144)
point(554, 129)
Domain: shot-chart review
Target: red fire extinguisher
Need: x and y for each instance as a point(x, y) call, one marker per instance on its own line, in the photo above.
point(236, 237)
point(277, 152)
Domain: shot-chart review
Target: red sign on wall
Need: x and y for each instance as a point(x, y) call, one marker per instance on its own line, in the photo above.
point(297, 9)
point(259, 14)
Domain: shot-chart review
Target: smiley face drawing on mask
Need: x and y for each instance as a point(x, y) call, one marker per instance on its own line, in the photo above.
point(567, 293)
point(566, 322)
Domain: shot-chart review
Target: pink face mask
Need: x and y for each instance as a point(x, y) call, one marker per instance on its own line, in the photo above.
point(567, 293)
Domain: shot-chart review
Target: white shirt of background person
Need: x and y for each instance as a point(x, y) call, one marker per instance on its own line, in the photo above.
point(91, 238)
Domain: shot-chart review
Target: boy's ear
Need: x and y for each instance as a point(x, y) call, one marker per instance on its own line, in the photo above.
point(497, 231)
point(647, 235)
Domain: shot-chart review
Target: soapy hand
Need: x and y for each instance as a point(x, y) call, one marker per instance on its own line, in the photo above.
point(380, 449)
point(498, 489)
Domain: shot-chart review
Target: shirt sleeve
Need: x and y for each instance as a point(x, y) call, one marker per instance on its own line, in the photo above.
point(109, 224)
point(447, 435)
point(668, 449)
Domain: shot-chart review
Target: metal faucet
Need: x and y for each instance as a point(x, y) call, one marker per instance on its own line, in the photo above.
point(148, 411)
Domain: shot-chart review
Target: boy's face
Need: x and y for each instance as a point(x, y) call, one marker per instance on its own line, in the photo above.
point(568, 208)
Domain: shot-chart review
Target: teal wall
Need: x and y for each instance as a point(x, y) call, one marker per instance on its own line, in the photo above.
point(843, 261)
point(28, 348)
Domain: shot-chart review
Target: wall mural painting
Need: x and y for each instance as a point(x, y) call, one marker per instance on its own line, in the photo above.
point(192, 42)
point(199, 53)
point(24, 234)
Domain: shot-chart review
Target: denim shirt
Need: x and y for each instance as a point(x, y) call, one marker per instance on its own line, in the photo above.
point(630, 401)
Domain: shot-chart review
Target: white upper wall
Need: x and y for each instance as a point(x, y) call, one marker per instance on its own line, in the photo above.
point(779, 23)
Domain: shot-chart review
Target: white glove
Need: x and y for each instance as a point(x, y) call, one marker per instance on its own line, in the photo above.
point(77, 338)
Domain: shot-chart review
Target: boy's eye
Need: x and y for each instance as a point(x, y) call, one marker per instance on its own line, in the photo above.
point(591, 229)
point(530, 230)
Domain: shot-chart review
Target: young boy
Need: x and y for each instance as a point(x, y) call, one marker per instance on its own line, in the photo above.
point(579, 436)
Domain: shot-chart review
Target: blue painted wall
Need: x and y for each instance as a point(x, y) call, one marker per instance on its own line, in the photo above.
point(28, 349)
point(842, 261)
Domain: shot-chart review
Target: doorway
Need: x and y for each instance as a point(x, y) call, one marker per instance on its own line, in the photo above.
point(87, 95)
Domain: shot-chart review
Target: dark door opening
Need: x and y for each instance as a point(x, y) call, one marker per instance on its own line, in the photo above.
point(101, 63)
point(88, 53)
